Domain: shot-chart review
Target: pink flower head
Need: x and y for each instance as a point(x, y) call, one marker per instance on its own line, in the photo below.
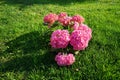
point(64, 59)
point(62, 15)
point(78, 18)
point(86, 29)
point(75, 26)
point(50, 19)
point(60, 39)
point(65, 21)
point(79, 39)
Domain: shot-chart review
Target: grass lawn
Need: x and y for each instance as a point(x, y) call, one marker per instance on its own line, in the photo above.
point(24, 40)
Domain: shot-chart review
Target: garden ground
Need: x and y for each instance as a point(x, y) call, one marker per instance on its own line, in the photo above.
point(24, 40)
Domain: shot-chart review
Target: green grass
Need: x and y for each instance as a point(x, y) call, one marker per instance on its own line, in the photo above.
point(24, 40)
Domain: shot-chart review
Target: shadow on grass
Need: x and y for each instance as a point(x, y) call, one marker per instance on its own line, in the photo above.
point(29, 62)
point(31, 2)
point(29, 43)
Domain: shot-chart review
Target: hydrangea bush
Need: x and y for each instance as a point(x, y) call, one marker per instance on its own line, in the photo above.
point(74, 34)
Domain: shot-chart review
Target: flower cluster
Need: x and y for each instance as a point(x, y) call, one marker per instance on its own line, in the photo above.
point(79, 39)
point(50, 19)
point(60, 39)
point(64, 59)
point(78, 18)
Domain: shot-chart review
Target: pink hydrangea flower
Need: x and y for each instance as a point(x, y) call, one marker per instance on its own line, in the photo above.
point(62, 15)
point(50, 19)
point(65, 21)
point(86, 29)
point(60, 39)
point(64, 59)
point(79, 39)
point(75, 26)
point(78, 18)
